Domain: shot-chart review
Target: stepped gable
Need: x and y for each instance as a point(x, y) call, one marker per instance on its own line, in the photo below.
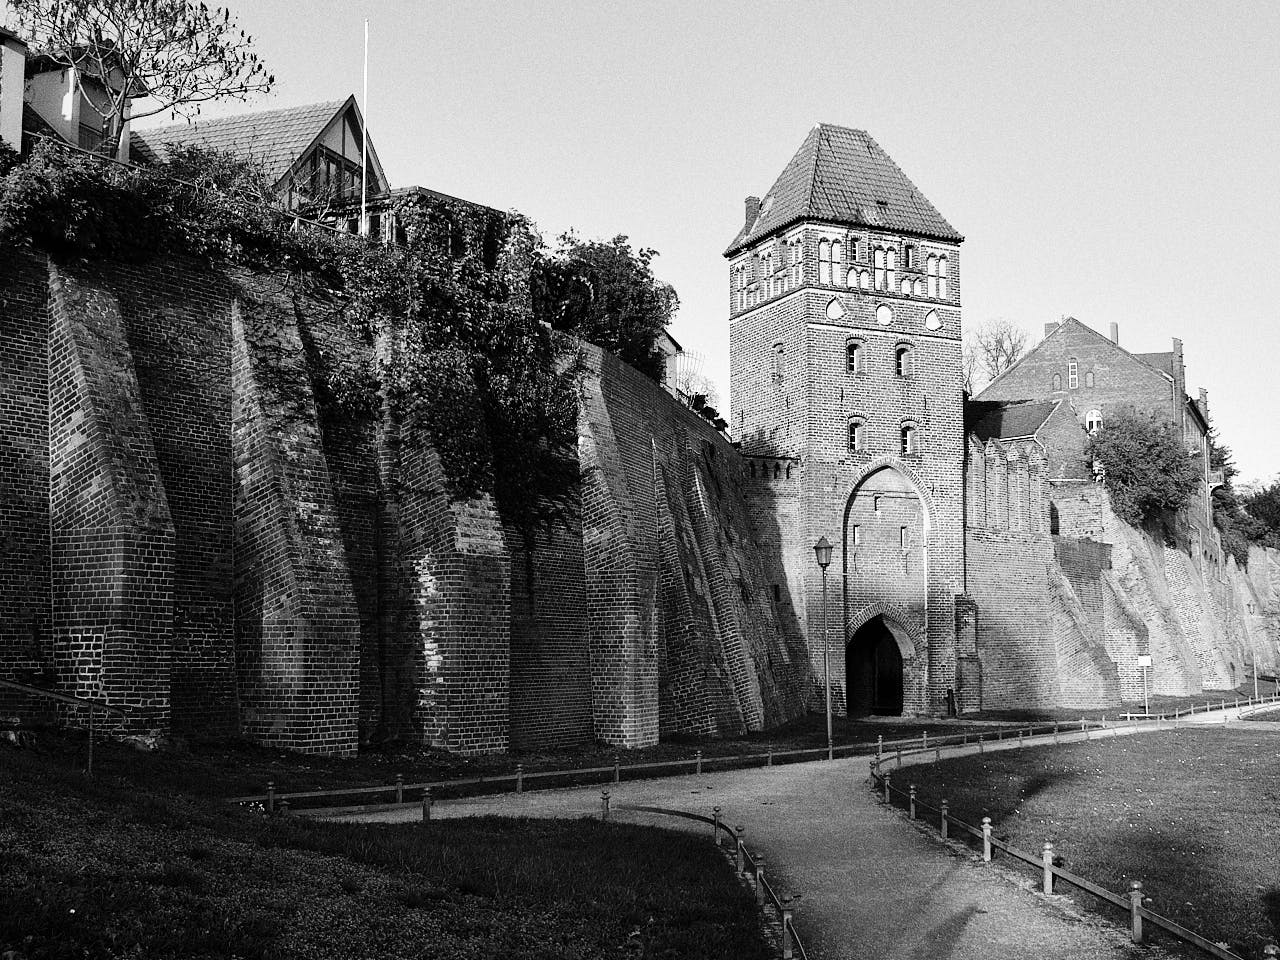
point(1006, 419)
point(274, 139)
point(840, 175)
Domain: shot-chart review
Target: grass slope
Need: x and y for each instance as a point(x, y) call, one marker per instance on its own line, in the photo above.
point(1194, 814)
point(106, 869)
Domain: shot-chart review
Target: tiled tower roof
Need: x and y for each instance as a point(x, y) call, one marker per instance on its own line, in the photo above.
point(841, 175)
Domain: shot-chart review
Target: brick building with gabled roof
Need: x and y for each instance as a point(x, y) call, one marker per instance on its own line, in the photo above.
point(1099, 379)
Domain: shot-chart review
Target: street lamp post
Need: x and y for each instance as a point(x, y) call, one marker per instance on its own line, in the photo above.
point(822, 550)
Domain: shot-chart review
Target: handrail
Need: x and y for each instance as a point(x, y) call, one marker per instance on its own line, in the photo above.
point(64, 697)
point(882, 782)
point(922, 744)
point(791, 942)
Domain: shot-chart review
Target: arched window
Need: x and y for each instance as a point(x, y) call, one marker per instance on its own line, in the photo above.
point(932, 270)
point(853, 249)
point(884, 316)
point(942, 278)
point(855, 357)
point(1088, 379)
point(797, 262)
point(1093, 421)
point(777, 471)
point(824, 261)
point(864, 280)
point(779, 356)
point(905, 288)
point(851, 279)
point(890, 262)
point(837, 259)
point(1057, 382)
point(878, 263)
point(903, 360)
point(909, 445)
point(1073, 374)
point(908, 257)
point(857, 434)
point(919, 287)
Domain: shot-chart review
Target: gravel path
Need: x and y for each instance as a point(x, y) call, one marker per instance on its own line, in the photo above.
point(870, 884)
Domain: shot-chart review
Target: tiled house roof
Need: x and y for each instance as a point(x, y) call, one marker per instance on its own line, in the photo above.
point(841, 175)
point(1006, 419)
point(274, 139)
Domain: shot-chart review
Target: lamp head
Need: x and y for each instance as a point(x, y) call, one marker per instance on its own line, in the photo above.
point(822, 550)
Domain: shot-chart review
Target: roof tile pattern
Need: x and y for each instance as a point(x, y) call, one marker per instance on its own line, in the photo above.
point(1006, 420)
point(841, 175)
point(274, 139)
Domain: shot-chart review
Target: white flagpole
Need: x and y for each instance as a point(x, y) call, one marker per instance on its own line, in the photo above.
point(364, 141)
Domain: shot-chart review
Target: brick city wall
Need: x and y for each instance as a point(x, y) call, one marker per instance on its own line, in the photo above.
point(193, 527)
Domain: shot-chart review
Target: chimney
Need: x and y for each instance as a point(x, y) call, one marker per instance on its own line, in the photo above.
point(1050, 327)
point(13, 64)
point(753, 210)
point(1115, 334)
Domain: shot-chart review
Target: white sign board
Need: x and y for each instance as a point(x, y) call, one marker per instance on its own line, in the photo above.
point(1144, 659)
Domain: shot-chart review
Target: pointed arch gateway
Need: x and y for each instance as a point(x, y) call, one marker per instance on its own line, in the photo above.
point(885, 587)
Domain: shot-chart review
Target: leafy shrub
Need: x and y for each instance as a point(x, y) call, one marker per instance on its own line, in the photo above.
point(1147, 467)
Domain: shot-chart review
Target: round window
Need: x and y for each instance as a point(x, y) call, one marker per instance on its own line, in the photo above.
point(835, 310)
point(884, 316)
point(932, 321)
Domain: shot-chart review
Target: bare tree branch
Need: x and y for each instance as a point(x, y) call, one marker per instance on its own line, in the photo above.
point(989, 349)
point(173, 54)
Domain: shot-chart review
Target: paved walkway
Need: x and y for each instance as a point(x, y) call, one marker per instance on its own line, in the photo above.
point(871, 884)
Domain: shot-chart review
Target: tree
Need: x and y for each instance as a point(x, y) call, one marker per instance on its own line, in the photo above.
point(174, 54)
point(991, 348)
point(1146, 466)
point(1263, 507)
point(605, 292)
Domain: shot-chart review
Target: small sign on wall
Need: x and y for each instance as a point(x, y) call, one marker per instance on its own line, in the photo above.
point(1144, 659)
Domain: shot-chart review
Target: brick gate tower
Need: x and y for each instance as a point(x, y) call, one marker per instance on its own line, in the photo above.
point(846, 394)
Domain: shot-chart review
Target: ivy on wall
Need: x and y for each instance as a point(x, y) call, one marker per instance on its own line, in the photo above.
point(455, 317)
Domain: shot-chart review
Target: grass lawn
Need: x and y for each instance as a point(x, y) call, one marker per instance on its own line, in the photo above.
point(106, 869)
point(1194, 814)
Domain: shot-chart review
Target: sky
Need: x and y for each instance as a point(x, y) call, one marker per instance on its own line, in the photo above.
point(1110, 161)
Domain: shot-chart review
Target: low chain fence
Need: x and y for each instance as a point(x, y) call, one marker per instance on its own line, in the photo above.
point(389, 796)
point(1047, 862)
point(750, 867)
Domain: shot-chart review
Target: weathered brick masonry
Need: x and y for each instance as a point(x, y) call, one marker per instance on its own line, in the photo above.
point(192, 527)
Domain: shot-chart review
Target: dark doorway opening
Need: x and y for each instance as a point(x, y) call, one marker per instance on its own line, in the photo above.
point(873, 672)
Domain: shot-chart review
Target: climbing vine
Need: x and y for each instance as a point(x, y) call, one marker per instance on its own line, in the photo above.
point(448, 315)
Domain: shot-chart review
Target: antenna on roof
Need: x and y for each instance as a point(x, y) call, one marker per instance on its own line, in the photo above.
point(364, 141)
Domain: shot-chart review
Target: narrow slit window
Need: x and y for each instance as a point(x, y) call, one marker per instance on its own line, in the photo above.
point(1073, 374)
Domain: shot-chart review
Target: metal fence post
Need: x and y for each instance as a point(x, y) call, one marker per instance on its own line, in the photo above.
point(617, 769)
point(1135, 911)
point(937, 754)
point(885, 783)
point(399, 788)
point(426, 804)
point(768, 760)
point(981, 747)
point(1047, 856)
point(879, 746)
point(911, 802)
point(898, 756)
point(788, 943)
point(739, 830)
point(697, 756)
point(986, 839)
point(271, 796)
point(1019, 736)
point(1055, 733)
point(760, 895)
point(715, 825)
point(604, 804)
point(942, 825)
point(924, 740)
point(519, 778)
